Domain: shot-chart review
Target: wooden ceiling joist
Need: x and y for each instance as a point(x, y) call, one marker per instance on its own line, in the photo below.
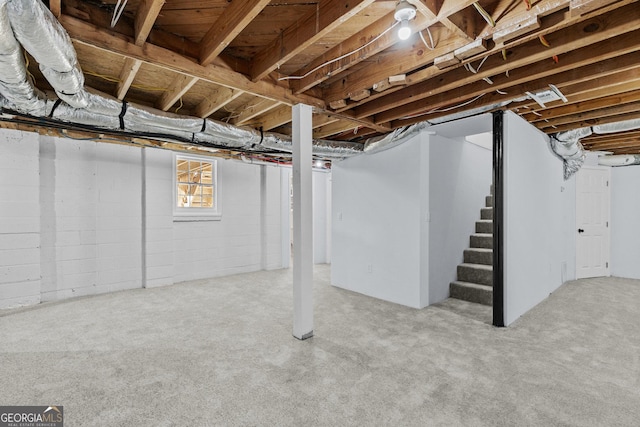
point(178, 87)
point(561, 80)
point(146, 15)
point(234, 19)
point(224, 54)
point(520, 69)
point(329, 14)
point(249, 112)
point(216, 100)
point(93, 36)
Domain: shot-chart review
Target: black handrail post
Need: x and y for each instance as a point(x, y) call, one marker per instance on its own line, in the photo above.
point(498, 200)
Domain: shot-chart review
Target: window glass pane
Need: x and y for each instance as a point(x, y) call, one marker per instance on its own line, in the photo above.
point(195, 180)
point(207, 174)
point(182, 171)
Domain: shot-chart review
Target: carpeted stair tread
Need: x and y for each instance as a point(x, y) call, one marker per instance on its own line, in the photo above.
point(484, 226)
point(476, 273)
point(472, 292)
point(481, 240)
point(478, 256)
point(486, 213)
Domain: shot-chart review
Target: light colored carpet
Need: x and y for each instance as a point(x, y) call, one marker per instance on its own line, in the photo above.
point(220, 352)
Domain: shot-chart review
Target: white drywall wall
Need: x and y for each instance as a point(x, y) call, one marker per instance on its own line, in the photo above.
point(625, 214)
point(19, 219)
point(376, 241)
point(460, 174)
point(534, 222)
point(321, 217)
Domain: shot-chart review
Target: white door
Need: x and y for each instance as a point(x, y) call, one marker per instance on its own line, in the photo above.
point(592, 222)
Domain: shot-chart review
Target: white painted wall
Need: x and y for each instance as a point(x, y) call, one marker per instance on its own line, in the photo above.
point(321, 217)
point(534, 221)
point(92, 238)
point(377, 229)
point(625, 211)
point(460, 177)
point(408, 212)
point(19, 219)
point(81, 218)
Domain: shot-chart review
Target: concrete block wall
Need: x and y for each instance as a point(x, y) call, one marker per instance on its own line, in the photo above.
point(90, 216)
point(19, 220)
point(81, 218)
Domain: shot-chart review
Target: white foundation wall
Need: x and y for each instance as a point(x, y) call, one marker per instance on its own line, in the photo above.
point(91, 216)
point(81, 218)
point(19, 219)
point(536, 246)
point(625, 211)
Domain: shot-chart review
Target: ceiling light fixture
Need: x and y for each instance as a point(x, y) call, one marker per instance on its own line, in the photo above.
point(405, 12)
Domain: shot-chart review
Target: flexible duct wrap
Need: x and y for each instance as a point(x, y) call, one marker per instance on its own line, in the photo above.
point(567, 145)
point(39, 32)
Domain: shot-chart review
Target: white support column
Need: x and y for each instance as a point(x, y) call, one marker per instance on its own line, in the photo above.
point(302, 223)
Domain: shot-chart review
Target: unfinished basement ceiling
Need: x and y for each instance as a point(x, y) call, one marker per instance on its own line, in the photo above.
point(246, 62)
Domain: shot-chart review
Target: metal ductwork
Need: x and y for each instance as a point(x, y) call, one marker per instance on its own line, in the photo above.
point(567, 146)
point(619, 160)
point(30, 25)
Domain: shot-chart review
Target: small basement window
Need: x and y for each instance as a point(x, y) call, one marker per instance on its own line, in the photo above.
point(196, 188)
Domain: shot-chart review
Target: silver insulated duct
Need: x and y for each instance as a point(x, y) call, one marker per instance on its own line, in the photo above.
point(30, 25)
point(568, 147)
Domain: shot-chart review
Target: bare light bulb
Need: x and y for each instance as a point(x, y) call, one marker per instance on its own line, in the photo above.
point(404, 32)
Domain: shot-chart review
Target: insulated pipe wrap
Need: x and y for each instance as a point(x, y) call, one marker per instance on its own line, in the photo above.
point(40, 33)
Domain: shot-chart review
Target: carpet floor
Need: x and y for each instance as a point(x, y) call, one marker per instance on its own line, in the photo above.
point(220, 352)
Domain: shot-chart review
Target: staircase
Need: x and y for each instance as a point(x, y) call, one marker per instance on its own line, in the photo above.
point(475, 274)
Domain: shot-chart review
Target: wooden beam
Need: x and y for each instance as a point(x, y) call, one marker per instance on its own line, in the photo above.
point(596, 121)
point(392, 63)
point(420, 23)
point(99, 38)
point(360, 79)
point(275, 118)
point(333, 129)
point(328, 15)
point(146, 15)
point(180, 85)
point(610, 84)
point(234, 19)
point(622, 21)
point(581, 107)
point(55, 6)
point(216, 100)
point(563, 79)
point(580, 7)
point(587, 115)
point(257, 108)
point(127, 75)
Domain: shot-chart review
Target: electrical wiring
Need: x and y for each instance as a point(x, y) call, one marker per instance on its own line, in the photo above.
point(433, 45)
point(443, 110)
point(117, 80)
point(342, 56)
point(484, 14)
point(117, 12)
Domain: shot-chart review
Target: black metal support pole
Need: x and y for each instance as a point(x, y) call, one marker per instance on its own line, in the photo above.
point(498, 194)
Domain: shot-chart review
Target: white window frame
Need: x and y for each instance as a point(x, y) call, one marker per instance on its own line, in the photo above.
point(196, 213)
